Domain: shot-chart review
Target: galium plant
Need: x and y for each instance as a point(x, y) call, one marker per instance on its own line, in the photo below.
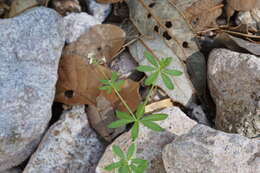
point(128, 163)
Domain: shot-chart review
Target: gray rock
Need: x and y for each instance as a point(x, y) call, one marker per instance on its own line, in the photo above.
point(198, 114)
point(124, 64)
point(77, 24)
point(13, 170)
point(98, 10)
point(150, 143)
point(70, 145)
point(205, 150)
point(234, 82)
point(250, 18)
point(30, 48)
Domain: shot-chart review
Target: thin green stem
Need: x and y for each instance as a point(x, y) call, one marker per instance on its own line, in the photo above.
point(125, 104)
point(149, 93)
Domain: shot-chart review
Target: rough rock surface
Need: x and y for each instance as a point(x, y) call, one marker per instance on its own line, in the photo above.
point(12, 170)
point(98, 10)
point(250, 18)
point(150, 143)
point(77, 24)
point(70, 145)
point(124, 64)
point(234, 82)
point(205, 150)
point(30, 48)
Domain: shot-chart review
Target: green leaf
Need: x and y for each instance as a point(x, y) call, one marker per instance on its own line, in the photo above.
point(139, 161)
point(131, 151)
point(104, 87)
point(113, 166)
point(155, 117)
point(145, 68)
point(123, 169)
point(167, 81)
point(151, 59)
point(153, 126)
point(172, 72)
point(114, 76)
point(119, 123)
point(119, 84)
point(151, 79)
point(135, 131)
point(165, 62)
point(105, 81)
point(142, 167)
point(124, 115)
point(140, 111)
point(117, 151)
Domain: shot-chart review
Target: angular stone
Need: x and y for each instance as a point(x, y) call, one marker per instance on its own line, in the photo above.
point(30, 48)
point(13, 170)
point(150, 143)
point(70, 145)
point(98, 10)
point(77, 24)
point(234, 82)
point(250, 18)
point(205, 150)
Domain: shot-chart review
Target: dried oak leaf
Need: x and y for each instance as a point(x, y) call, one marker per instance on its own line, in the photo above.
point(66, 6)
point(79, 75)
point(200, 13)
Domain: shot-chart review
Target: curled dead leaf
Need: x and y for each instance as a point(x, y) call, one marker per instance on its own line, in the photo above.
point(242, 5)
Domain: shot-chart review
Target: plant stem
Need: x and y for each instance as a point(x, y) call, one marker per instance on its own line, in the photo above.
point(149, 93)
point(124, 103)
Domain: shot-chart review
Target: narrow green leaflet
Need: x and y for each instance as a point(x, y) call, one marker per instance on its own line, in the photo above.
point(114, 76)
point(119, 123)
point(172, 72)
point(131, 151)
point(167, 81)
point(155, 117)
point(135, 131)
point(152, 125)
point(165, 62)
point(151, 59)
point(152, 78)
point(124, 169)
point(117, 151)
point(113, 166)
point(117, 85)
point(124, 115)
point(140, 111)
point(145, 68)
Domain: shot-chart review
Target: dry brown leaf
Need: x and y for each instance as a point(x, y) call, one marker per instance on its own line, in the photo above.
point(201, 13)
point(19, 6)
point(101, 42)
point(3, 9)
point(79, 75)
point(66, 6)
point(109, 1)
point(241, 5)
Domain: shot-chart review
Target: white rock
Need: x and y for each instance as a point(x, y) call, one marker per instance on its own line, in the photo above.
point(30, 48)
point(70, 145)
point(205, 150)
point(234, 82)
point(77, 24)
point(150, 143)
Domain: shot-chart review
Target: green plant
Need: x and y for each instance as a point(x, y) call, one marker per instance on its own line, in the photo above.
point(127, 161)
point(157, 69)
